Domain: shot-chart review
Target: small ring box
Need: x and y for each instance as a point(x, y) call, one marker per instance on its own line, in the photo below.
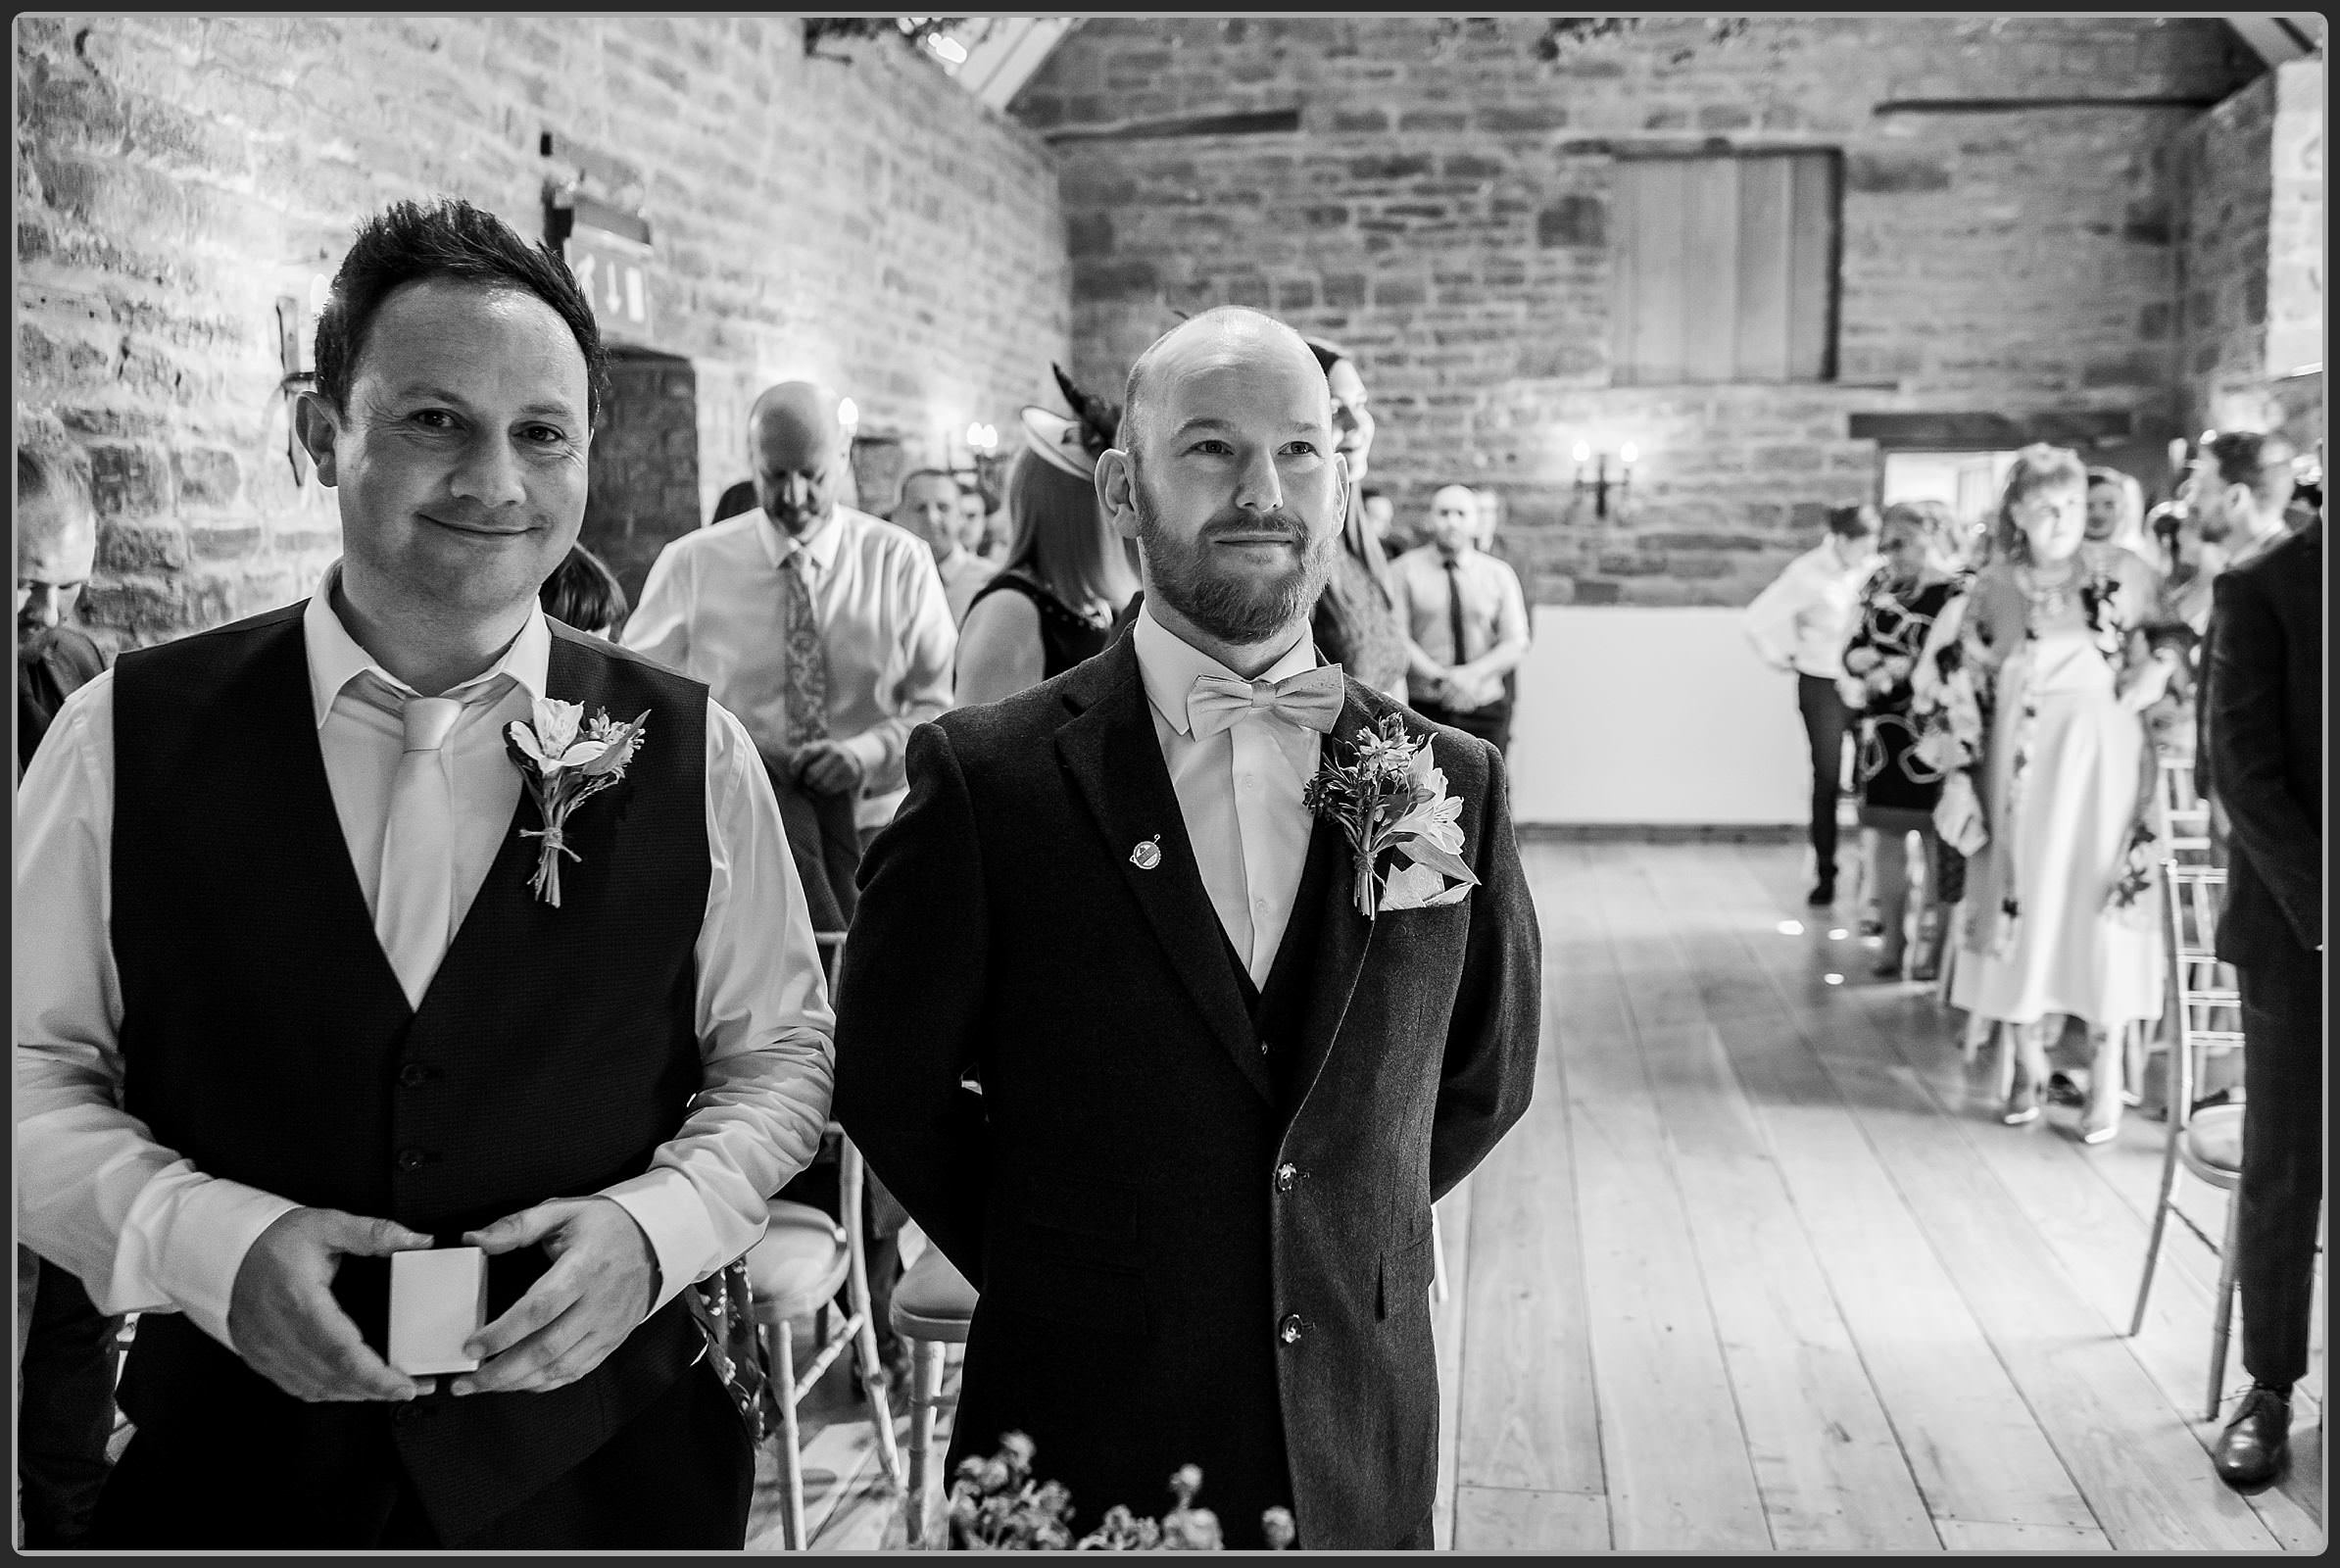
point(438, 1299)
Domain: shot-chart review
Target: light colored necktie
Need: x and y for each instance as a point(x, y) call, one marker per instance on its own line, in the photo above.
point(807, 660)
point(413, 910)
point(1310, 699)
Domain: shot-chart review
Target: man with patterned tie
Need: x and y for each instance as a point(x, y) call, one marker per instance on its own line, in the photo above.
point(295, 1003)
point(1217, 1096)
point(1466, 622)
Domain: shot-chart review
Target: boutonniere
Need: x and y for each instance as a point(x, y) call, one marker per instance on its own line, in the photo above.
point(567, 760)
point(1390, 801)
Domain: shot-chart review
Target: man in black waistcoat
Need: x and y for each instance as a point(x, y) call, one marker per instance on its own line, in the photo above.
point(1216, 1098)
point(2266, 738)
point(299, 1003)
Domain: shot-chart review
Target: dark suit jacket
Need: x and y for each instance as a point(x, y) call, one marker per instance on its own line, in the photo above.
point(1141, 1214)
point(2265, 697)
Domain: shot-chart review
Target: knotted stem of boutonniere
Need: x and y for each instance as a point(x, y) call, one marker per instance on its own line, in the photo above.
point(565, 763)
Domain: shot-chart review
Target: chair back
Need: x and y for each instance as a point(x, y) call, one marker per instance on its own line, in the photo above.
point(2203, 995)
point(2184, 813)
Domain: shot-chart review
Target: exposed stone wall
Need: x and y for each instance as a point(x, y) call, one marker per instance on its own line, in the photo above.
point(1442, 209)
point(869, 223)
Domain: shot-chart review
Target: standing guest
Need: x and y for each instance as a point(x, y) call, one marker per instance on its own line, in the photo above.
point(67, 1356)
point(1357, 623)
point(1068, 574)
point(2266, 680)
point(2116, 519)
point(1218, 1100)
point(2236, 493)
point(1898, 787)
point(824, 628)
point(584, 593)
point(2060, 918)
point(1466, 622)
point(278, 869)
point(1801, 623)
point(1381, 516)
point(930, 509)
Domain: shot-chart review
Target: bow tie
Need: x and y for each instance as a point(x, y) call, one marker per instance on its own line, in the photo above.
point(1310, 699)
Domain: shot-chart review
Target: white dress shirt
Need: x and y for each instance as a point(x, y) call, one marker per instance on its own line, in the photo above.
point(1805, 617)
point(1495, 609)
point(711, 609)
point(146, 1231)
point(1238, 791)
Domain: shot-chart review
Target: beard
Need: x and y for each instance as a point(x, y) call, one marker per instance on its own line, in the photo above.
point(1232, 605)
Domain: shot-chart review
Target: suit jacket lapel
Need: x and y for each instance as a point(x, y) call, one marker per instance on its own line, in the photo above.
point(1116, 763)
point(1344, 935)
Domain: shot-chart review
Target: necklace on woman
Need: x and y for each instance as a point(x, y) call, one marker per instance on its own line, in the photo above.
point(2051, 601)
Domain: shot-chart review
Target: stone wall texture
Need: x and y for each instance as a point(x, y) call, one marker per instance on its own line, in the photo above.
point(863, 222)
point(1442, 210)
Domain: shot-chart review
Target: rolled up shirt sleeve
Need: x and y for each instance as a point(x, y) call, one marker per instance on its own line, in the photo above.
point(137, 1223)
point(764, 1035)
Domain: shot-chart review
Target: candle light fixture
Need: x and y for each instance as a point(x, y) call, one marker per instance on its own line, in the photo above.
point(1599, 485)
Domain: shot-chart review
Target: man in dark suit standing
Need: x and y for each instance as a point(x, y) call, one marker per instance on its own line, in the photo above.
point(2267, 686)
point(1217, 1100)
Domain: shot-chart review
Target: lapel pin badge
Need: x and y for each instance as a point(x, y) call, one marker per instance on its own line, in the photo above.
point(1147, 854)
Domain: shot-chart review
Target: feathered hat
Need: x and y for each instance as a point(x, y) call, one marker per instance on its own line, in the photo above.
point(1072, 444)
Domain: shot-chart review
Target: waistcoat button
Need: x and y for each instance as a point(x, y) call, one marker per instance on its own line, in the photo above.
point(415, 1075)
point(411, 1160)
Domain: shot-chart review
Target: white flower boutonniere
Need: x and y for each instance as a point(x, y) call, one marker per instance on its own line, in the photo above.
point(567, 760)
point(1392, 803)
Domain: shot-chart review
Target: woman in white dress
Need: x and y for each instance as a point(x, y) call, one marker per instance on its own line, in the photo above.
point(2059, 910)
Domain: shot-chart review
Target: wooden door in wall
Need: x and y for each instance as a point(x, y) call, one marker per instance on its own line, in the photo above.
point(643, 488)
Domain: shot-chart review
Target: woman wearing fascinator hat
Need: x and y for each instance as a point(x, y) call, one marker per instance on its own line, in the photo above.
point(1067, 573)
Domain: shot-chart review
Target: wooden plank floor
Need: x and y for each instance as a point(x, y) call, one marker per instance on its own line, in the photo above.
point(1761, 1270)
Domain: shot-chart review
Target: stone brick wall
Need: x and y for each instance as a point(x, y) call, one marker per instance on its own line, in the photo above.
point(1442, 209)
point(868, 223)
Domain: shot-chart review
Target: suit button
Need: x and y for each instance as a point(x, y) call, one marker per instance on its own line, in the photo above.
point(1288, 1330)
point(1263, 1048)
point(404, 1414)
point(1285, 1174)
point(412, 1159)
point(415, 1075)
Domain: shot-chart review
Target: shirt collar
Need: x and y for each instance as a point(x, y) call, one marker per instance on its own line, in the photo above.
point(820, 544)
point(335, 658)
point(1168, 665)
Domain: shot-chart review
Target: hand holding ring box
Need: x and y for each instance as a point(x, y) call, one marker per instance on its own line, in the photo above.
point(438, 1299)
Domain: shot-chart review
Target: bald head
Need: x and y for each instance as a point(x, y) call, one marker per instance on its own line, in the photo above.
point(797, 444)
point(56, 538)
point(1226, 337)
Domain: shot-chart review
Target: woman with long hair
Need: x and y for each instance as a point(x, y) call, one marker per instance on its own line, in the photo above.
point(2058, 915)
point(1068, 574)
point(1357, 624)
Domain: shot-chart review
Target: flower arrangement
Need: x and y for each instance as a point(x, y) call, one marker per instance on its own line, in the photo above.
point(995, 1505)
point(567, 761)
point(1390, 801)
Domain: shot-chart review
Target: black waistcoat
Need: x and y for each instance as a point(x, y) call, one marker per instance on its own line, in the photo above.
point(266, 1037)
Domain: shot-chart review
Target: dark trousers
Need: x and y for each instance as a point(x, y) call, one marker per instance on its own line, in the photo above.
point(2283, 1171)
point(1826, 723)
point(68, 1411)
point(680, 1476)
point(1491, 723)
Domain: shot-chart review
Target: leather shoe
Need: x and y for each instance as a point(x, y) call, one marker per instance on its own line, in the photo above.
point(2251, 1451)
point(1822, 894)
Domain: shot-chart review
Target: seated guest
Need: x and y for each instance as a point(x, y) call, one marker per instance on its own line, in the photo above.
point(1898, 787)
point(1466, 622)
point(584, 593)
point(1068, 574)
point(278, 869)
point(930, 507)
point(67, 1360)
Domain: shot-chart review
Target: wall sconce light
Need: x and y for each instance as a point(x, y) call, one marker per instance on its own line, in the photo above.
point(849, 413)
point(981, 440)
point(1600, 484)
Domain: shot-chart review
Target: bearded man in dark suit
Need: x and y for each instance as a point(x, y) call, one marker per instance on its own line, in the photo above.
point(1217, 1098)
